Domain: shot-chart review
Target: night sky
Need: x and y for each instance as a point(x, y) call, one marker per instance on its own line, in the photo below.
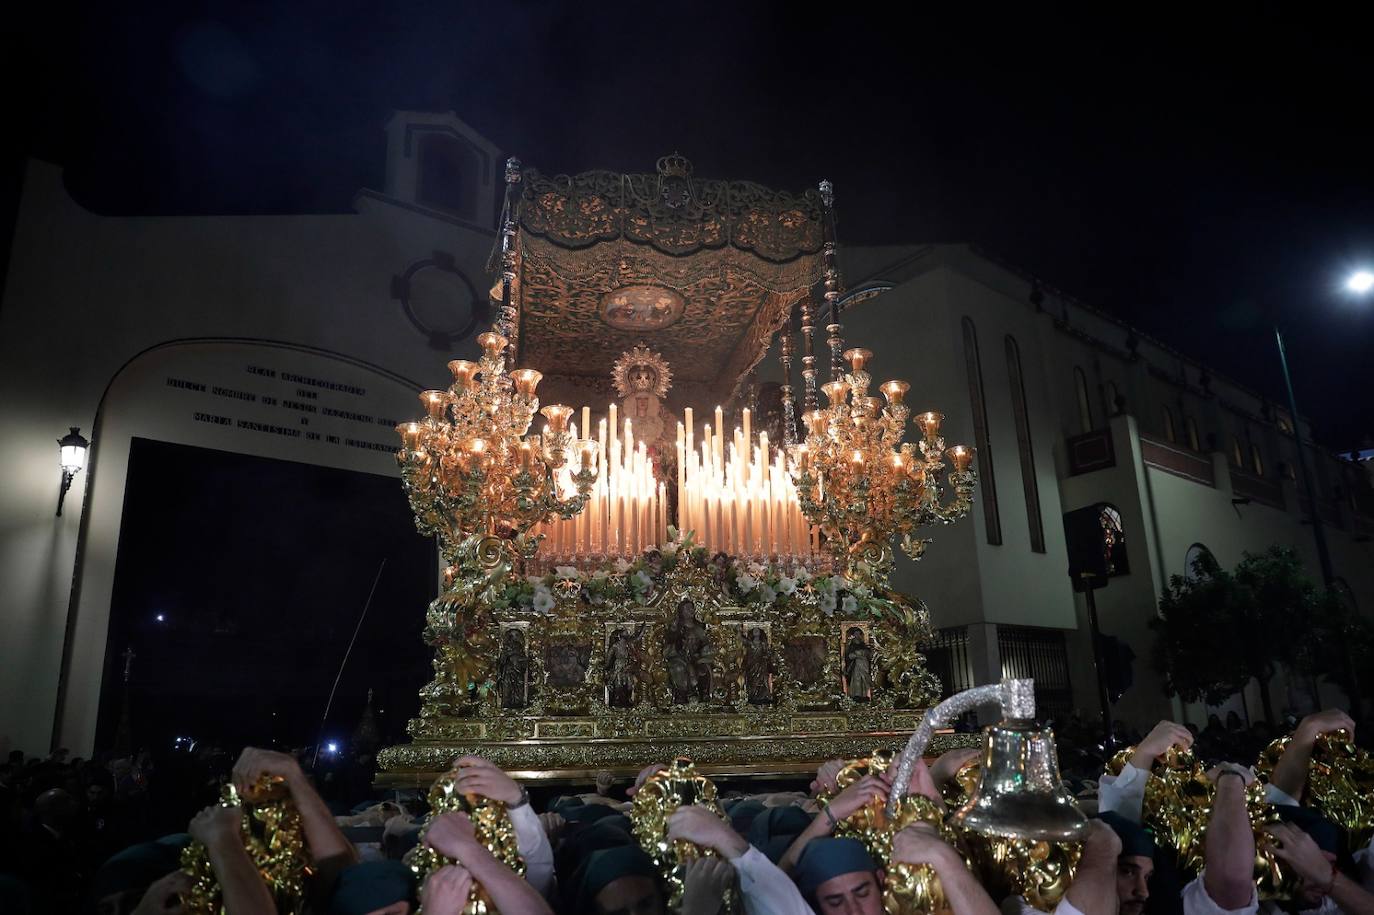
point(239, 583)
point(1194, 172)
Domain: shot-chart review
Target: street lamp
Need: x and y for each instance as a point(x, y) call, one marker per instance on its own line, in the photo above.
point(1359, 282)
point(72, 456)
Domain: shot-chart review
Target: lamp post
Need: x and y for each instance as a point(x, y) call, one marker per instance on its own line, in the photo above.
point(1359, 283)
point(72, 456)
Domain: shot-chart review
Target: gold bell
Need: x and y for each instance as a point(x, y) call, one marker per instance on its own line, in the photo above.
point(1020, 795)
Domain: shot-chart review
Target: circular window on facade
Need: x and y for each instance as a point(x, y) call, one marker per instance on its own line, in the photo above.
point(641, 308)
point(439, 300)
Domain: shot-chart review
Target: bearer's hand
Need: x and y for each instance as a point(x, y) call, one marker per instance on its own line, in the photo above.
point(705, 884)
point(701, 826)
point(478, 776)
point(1162, 736)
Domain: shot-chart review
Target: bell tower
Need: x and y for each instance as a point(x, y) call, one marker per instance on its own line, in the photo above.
point(436, 161)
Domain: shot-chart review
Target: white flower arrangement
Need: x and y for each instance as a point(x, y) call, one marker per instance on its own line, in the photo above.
point(641, 582)
point(543, 599)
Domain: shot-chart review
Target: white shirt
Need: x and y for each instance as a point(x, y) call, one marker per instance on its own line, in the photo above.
point(534, 849)
point(1123, 794)
point(765, 889)
point(1197, 902)
point(1017, 905)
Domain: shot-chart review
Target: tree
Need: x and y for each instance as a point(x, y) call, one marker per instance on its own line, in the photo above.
point(1335, 639)
point(1217, 629)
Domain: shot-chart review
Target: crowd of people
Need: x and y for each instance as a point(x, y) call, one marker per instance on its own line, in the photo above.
point(93, 836)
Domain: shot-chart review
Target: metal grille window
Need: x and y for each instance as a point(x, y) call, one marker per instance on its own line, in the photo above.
point(1029, 651)
point(947, 656)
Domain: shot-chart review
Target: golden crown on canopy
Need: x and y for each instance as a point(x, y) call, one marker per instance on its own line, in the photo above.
point(675, 166)
point(469, 467)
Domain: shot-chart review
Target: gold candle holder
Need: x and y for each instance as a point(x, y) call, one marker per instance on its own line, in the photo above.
point(410, 435)
point(835, 390)
point(526, 380)
point(526, 456)
point(857, 358)
point(492, 343)
point(557, 414)
point(930, 424)
point(815, 421)
point(895, 391)
point(589, 454)
point(435, 403)
point(865, 406)
point(463, 372)
point(961, 456)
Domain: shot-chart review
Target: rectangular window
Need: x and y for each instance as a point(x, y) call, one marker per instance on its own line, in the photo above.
point(987, 481)
point(1023, 444)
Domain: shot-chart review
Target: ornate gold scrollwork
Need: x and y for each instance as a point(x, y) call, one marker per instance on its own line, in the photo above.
point(274, 839)
point(1340, 782)
point(1178, 804)
point(658, 799)
point(490, 822)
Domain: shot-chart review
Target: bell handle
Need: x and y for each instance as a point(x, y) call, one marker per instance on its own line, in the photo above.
point(1016, 698)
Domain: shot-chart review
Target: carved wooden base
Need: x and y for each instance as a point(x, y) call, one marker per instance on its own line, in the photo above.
point(575, 749)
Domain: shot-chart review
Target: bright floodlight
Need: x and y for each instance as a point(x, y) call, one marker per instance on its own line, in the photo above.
point(1360, 281)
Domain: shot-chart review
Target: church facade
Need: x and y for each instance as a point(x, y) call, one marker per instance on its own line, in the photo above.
point(306, 338)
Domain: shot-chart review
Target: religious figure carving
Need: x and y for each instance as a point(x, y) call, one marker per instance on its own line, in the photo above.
point(642, 379)
point(512, 669)
point(858, 665)
point(720, 571)
point(758, 667)
point(623, 667)
point(566, 663)
point(805, 657)
point(687, 654)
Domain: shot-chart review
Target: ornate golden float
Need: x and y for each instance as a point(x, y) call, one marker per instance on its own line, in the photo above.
point(578, 630)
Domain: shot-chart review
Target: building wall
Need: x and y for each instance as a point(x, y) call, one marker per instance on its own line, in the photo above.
point(1162, 512)
point(85, 295)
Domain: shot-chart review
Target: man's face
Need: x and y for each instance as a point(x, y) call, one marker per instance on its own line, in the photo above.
point(855, 893)
point(630, 896)
point(1310, 897)
point(95, 795)
point(1133, 882)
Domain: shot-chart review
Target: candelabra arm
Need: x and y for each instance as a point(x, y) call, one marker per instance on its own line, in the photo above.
point(1016, 698)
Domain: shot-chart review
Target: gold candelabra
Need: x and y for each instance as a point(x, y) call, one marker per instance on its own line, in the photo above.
point(471, 468)
point(862, 485)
